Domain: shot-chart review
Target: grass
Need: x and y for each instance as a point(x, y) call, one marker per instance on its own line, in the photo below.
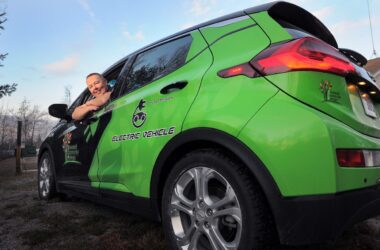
point(11, 206)
point(36, 236)
point(28, 213)
point(74, 224)
point(63, 223)
point(95, 225)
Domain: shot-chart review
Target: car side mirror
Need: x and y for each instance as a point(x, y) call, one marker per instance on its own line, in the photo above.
point(59, 111)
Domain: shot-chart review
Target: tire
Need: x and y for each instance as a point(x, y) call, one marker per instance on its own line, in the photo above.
point(228, 211)
point(46, 182)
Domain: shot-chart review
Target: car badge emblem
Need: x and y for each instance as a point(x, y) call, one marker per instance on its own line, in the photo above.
point(325, 87)
point(139, 117)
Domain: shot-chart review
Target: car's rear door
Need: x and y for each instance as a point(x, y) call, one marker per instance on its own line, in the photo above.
point(161, 85)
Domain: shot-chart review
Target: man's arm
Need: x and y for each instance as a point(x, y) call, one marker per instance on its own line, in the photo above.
point(100, 100)
point(81, 111)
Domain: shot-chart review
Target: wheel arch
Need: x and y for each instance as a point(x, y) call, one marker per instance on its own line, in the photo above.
point(198, 138)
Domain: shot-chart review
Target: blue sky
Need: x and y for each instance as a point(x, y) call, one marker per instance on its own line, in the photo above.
point(56, 43)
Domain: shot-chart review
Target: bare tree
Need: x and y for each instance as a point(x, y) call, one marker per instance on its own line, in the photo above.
point(67, 98)
point(2, 124)
point(31, 119)
point(22, 115)
point(35, 117)
point(5, 124)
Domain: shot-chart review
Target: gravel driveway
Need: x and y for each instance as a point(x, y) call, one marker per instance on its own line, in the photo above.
point(28, 223)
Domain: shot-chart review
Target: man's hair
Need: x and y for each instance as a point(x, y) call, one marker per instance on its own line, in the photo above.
point(96, 74)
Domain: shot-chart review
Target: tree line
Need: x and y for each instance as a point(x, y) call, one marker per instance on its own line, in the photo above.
point(35, 125)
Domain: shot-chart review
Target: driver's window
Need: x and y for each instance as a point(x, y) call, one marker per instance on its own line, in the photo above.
point(79, 101)
point(112, 82)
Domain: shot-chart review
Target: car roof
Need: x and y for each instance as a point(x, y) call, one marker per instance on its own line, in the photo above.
point(282, 10)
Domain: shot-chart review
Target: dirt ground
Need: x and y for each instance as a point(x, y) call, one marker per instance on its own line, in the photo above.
point(29, 223)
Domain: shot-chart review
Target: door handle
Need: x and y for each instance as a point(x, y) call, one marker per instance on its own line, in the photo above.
point(173, 87)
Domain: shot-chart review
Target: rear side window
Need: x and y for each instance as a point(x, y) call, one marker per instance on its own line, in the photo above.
point(158, 62)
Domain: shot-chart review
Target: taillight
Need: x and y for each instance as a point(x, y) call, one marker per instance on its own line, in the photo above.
point(350, 158)
point(303, 54)
point(242, 69)
point(358, 157)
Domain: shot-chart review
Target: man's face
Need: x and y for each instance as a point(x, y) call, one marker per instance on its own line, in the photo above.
point(96, 85)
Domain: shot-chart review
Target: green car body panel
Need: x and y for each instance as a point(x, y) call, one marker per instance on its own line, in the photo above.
point(341, 102)
point(242, 97)
point(304, 142)
point(286, 126)
point(273, 29)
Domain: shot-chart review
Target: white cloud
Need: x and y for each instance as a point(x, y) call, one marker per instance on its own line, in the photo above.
point(201, 7)
point(356, 35)
point(188, 25)
point(138, 36)
point(200, 11)
point(323, 13)
point(86, 6)
point(64, 66)
point(345, 27)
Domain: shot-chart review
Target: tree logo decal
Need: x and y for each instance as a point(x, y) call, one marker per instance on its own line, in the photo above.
point(67, 139)
point(139, 117)
point(325, 87)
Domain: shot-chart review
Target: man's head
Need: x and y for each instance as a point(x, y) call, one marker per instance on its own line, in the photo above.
point(96, 84)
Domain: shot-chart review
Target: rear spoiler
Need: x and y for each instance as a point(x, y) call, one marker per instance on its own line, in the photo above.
point(354, 56)
point(295, 15)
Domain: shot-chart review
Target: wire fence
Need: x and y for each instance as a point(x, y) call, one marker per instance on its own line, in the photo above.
point(6, 153)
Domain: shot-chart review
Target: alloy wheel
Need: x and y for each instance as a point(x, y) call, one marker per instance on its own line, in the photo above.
point(204, 211)
point(44, 180)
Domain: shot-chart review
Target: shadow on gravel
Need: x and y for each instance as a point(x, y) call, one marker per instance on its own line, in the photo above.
point(28, 223)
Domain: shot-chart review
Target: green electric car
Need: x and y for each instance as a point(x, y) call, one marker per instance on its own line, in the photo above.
point(250, 129)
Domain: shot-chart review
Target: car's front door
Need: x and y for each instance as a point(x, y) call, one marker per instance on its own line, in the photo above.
point(74, 156)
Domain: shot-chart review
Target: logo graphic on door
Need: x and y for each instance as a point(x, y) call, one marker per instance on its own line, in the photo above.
point(325, 87)
point(139, 117)
point(67, 138)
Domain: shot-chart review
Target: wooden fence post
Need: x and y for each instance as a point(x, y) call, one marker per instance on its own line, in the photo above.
point(18, 148)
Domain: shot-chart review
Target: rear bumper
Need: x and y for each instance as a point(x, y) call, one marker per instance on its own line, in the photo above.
point(314, 219)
